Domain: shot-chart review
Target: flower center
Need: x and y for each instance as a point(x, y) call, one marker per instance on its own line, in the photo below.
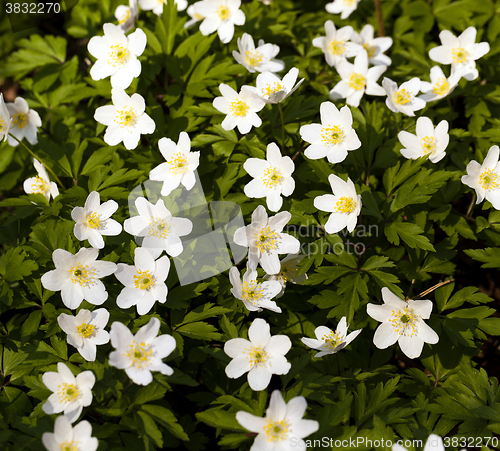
point(257, 356)
point(68, 393)
point(337, 47)
point(85, 330)
point(140, 354)
point(19, 120)
point(428, 144)
point(332, 135)
point(345, 205)
point(253, 57)
point(271, 89)
point(489, 179)
point(272, 177)
point(125, 17)
point(223, 13)
point(287, 272)
point(69, 446)
point(144, 280)
point(267, 239)
point(39, 186)
point(238, 108)
point(276, 431)
point(3, 125)
point(252, 291)
point(348, 2)
point(178, 164)
point(158, 228)
point(93, 220)
point(118, 55)
point(332, 340)
point(402, 97)
point(82, 274)
point(370, 49)
point(441, 87)
point(357, 81)
point(404, 322)
point(459, 55)
point(126, 118)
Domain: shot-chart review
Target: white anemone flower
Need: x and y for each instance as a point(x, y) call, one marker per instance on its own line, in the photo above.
point(440, 86)
point(272, 177)
point(86, 330)
point(77, 277)
point(427, 141)
point(144, 282)
point(329, 342)
point(274, 90)
point(260, 59)
point(334, 137)
point(25, 122)
point(179, 166)
point(403, 99)
point(157, 5)
point(221, 16)
point(141, 353)
point(126, 119)
point(461, 52)
point(241, 109)
point(161, 231)
point(94, 220)
point(283, 427)
point(194, 13)
point(288, 272)
point(375, 47)
point(434, 443)
point(5, 119)
point(255, 295)
point(265, 241)
point(261, 356)
point(344, 204)
point(40, 184)
point(357, 79)
point(68, 438)
point(402, 322)
point(485, 178)
point(117, 55)
point(70, 394)
point(336, 44)
point(127, 15)
point(342, 7)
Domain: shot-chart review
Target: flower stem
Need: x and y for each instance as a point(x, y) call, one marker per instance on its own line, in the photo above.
point(282, 127)
point(471, 205)
point(38, 158)
point(380, 18)
point(435, 287)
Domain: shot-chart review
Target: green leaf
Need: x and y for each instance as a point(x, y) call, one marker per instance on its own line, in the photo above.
point(490, 256)
point(219, 418)
point(15, 266)
point(410, 233)
point(167, 419)
point(151, 392)
point(200, 331)
point(148, 427)
point(204, 311)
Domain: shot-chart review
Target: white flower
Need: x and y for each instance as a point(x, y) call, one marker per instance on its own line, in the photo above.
point(345, 205)
point(375, 47)
point(272, 177)
point(334, 137)
point(402, 322)
point(86, 330)
point(24, 122)
point(180, 164)
point(403, 99)
point(241, 109)
point(282, 428)
point(434, 443)
point(343, 7)
point(5, 119)
point(67, 438)
point(440, 86)
point(428, 141)
point(357, 79)
point(157, 5)
point(141, 353)
point(261, 355)
point(144, 282)
point(461, 52)
point(127, 15)
point(117, 55)
point(93, 220)
point(40, 184)
point(77, 277)
point(255, 295)
point(329, 342)
point(260, 59)
point(485, 178)
point(274, 90)
point(265, 241)
point(288, 272)
point(160, 229)
point(193, 12)
point(126, 119)
point(336, 44)
point(70, 394)
point(221, 16)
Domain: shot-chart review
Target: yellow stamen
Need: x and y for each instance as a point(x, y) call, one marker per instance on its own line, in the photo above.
point(252, 291)
point(332, 135)
point(158, 228)
point(118, 56)
point(267, 239)
point(39, 186)
point(93, 220)
point(86, 330)
point(19, 120)
point(370, 49)
point(404, 322)
point(125, 17)
point(67, 392)
point(69, 446)
point(441, 87)
point(238, 108)
point(428, 144)
point(223, 13)
point(402, 97)
point(337, 47)
point(272, 177)
point(253, 57)
point(82, 275)
point(257, 356)
point(345, 205)
point(143, 280)
point(332, 340)
point(127, 118)
point(489, 179)
point(271, 89)
point(276, 431)
point(357, 81)
point(178, 163)
point(459, 55)
point(140, 354)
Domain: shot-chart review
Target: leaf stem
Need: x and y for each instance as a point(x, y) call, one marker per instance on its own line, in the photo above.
point(471, 206)
point(282, 127)
point(380, 18)
point(435, 287)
